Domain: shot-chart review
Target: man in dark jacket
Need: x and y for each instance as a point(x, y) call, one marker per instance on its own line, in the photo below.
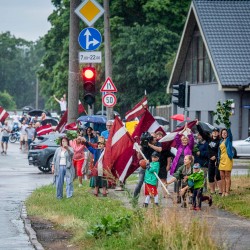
point(213, 147)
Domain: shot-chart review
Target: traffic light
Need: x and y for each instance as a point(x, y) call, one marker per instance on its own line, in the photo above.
point(181, 95)
point(89, 78)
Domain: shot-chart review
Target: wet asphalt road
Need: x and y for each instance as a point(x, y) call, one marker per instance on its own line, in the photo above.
point(17, 181)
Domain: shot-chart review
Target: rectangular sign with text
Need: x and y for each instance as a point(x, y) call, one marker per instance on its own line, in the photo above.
point(90, 57)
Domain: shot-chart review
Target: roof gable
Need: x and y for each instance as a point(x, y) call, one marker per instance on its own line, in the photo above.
point(225, 28)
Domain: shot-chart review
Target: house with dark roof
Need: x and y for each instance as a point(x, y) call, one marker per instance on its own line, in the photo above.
point(214, 58)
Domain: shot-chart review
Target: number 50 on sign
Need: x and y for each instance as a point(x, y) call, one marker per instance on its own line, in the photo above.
point(109, 100)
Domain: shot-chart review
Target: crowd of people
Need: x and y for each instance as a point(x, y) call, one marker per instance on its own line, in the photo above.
point(199, 158)
point(201, 164)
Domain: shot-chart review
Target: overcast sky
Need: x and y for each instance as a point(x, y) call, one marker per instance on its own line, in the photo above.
point(25, 18)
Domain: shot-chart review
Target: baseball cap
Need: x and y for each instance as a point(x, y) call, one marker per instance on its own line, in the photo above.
point(216, 129)
point(155, 154)
point(196, 165)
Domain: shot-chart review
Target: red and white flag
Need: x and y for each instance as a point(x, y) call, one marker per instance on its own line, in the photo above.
point(137, 110)
point(43, 130)
point(3, 114)
point(63, 122)
point(168, 139)
point(127, 163)
point(71, 126)
point(146, 124)
point(119, 146)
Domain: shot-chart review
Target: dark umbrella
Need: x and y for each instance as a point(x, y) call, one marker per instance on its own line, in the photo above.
point(52, 121)
point(204, 125)
point(161, 120)
point(38, 112)
point(93, 119)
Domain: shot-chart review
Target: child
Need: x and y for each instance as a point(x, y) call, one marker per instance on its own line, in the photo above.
point(198, 183)
point(151, 180)
point(99, 180)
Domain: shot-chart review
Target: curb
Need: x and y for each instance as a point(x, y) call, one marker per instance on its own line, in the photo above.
point(29, 230)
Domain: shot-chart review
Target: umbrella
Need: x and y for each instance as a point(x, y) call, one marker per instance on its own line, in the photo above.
point(204, 125)
point(38, 112)
point(161, 120)
point(105, 112)
point(93, 119)
point(178, 117)
point(52, 121)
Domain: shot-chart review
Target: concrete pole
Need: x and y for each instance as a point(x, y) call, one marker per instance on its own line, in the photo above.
point(73, 81)
point(107, 46)
point(37, 89)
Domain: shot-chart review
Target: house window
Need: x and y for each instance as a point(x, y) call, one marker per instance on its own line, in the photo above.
point(210, 117)
point(197, 68)
point(198, 115)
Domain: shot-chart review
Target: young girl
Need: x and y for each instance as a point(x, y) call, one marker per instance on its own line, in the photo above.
point(151, 180)
point(182, 175)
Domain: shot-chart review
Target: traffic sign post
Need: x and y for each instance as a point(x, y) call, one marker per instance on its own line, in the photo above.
point(90, 39)
point(108, 86)
point(89, 11)
point(109, 100)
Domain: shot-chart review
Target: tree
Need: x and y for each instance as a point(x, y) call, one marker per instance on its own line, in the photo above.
point(144, 37)
point(18, 68)
point(6, 101)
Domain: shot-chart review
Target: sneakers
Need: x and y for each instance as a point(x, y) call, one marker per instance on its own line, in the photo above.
point(2, 152)
point(210, 201)
point(197, 209)
point(145, 205)
point(192, 208)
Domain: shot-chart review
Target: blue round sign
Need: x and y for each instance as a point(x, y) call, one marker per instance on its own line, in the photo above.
point(90, 39)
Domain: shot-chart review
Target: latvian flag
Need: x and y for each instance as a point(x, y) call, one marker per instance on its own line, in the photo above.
point(43, 130)
point(3, 114)
point(137, 110)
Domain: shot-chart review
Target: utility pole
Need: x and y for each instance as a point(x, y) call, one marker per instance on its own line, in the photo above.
point(107, 46)
point(186, 100)
point(73, 81)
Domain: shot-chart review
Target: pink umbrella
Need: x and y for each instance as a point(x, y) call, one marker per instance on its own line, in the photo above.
point(179, 117)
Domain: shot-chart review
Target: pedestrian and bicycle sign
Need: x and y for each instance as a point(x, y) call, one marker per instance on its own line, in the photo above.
point(109, 100)
point(89, 11)
point(90, 39)
point(108, 86)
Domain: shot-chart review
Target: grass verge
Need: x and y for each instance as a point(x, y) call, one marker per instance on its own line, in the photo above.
point(238, 202)
point(104, 223)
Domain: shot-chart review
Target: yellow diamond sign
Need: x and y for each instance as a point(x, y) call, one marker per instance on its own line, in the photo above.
point(89, 11)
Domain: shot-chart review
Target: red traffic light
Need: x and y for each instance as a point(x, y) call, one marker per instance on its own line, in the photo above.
point(88, 73)
point(89, 78)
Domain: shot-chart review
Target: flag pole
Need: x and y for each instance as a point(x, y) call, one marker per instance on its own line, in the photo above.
point(144, 157)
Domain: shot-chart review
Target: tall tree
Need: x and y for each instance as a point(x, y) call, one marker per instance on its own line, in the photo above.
point(144, 38)
point(18, 68)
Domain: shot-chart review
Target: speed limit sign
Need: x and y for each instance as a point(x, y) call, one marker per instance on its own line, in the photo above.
point(109, 100)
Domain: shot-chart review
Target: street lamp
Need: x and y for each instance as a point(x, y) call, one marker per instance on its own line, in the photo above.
point(37, 85)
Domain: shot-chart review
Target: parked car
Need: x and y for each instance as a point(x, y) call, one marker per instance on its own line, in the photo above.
point(241, 148)
point(42, 151)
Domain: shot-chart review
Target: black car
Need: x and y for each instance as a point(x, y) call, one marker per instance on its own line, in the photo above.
point(42, 151)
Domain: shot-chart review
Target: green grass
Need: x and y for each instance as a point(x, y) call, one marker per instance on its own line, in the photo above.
point(117, 227)
point(238, 202)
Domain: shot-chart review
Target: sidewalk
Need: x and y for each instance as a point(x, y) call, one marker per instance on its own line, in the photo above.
point(230, 230)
